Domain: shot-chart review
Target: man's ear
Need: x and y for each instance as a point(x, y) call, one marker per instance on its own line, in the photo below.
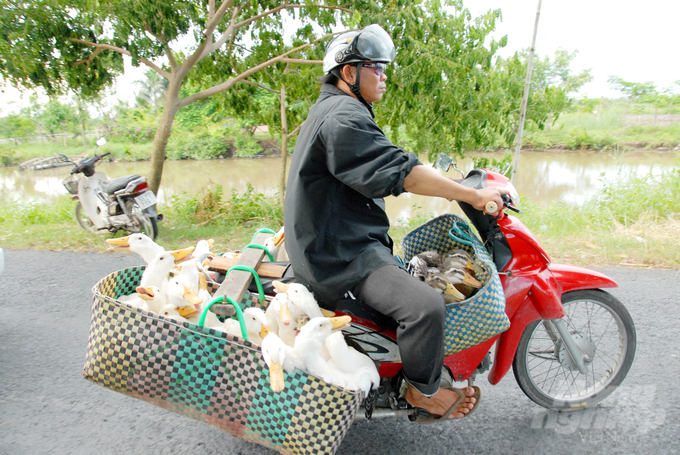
point(349, 73)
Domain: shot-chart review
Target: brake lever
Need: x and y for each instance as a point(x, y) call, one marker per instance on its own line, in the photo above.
point(507, 202)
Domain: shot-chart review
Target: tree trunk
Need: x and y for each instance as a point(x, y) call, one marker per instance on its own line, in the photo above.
point(160, 140)
point(82, 128)
point(284, 145)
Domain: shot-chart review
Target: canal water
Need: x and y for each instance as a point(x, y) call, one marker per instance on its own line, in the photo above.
point(542, 177)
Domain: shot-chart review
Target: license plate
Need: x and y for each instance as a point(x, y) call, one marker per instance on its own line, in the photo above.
point(146, 200)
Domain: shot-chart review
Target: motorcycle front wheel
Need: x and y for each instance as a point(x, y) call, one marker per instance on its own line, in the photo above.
point(141, 221)
point(82, 218)
point(602, 328)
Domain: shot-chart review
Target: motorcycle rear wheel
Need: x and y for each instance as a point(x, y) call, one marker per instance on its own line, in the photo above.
point(82, 218)
point(602, 327)
point(142, 222)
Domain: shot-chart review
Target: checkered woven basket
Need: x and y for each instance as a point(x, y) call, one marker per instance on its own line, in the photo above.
point(209, 376)
point(480, 317)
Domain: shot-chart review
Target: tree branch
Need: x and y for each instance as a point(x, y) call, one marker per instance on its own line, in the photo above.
point(295, 131)
point(255, 84)
point(89, 59)
point(230, 83)
point(120, 50)
point(302, 61)
point(286, 6)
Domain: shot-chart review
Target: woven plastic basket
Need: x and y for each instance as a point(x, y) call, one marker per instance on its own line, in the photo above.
point(480, 317)
point(210, 376)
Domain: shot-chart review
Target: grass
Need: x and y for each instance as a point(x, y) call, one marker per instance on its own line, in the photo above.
point(636, 223)
point(608, 132)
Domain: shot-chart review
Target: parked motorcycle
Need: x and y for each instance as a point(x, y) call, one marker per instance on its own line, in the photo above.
point(123, 203)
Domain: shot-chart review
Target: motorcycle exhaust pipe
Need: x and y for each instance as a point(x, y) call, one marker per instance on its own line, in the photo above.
point(383, 413)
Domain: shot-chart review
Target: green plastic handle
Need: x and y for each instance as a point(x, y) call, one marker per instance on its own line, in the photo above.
point(462, 237)
point(261, 247)
point(265, 230)
point(239, 314)
point(258, 282)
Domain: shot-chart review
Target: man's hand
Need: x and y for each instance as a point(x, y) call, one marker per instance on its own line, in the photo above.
point(486, 195)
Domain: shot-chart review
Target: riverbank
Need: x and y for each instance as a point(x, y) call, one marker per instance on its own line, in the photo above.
point(635, 224)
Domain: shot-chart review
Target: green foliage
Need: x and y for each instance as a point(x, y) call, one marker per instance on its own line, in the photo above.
point(136, 125)
point(210, 207)
point(502, 166)
point(441, 87)
point(200, 145)
point(17, 126)
point(14, 213)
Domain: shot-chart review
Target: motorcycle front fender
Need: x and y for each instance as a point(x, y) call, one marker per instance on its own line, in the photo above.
point(573, 278)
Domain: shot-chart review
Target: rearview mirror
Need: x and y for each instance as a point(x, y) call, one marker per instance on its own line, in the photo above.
point(444, 162)
point(101, 141)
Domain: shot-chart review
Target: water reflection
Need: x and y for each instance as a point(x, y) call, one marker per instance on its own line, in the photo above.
point(542, 177)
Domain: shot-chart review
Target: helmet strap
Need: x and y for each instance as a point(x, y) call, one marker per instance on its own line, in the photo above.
point(354, 88)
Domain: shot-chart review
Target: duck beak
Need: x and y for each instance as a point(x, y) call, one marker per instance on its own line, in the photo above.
point(472, 281)
point(340, 322)
point(191, 297)
point(202, 282)
point(281, 287)
point(276, 377)
point(327, 313)
point(472, 265)
point(265, 331)
point(146, 293)
point(210, 242)
point(450, 290)
point(278, 238)
point(118, 243)
point(181, 254)
point(284, 313)
point(186, 310)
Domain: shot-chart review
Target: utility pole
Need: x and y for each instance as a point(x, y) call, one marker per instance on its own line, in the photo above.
point(525, 98)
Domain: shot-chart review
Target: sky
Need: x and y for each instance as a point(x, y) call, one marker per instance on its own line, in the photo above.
point(637, 41)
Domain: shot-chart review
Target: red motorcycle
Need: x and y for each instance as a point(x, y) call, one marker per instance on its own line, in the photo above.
point(570, 343)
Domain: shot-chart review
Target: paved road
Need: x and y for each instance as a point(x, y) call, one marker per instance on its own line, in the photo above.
point(46, 407)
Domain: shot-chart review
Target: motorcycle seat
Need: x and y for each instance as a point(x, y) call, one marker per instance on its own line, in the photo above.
point(113, 185)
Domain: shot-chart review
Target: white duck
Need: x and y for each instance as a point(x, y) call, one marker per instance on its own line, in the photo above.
point(189, 268)
point(155, 299)
point(135, 300)
point(156, 273)
point(302, 300)
point(309, 341)
point(279, 318)
point(360, 370)
point(275, 246)
point(171, 312)
point(279, 356)
point(182, 297)
point(255, 322)
point(138, 243)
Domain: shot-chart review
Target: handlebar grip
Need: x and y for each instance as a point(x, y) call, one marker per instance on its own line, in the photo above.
point(105, 154)
point(491, 207)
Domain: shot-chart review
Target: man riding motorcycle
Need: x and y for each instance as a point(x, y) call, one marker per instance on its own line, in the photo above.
point(335, 221)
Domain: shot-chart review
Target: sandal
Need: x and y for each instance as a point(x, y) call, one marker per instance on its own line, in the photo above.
point(432, 418)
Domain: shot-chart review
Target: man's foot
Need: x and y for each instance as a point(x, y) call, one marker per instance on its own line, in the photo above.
point(440, 403)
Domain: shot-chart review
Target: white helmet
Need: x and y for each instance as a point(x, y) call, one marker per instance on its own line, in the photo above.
point(371, 44)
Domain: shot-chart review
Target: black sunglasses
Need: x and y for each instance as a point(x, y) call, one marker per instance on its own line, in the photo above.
point(378, 68)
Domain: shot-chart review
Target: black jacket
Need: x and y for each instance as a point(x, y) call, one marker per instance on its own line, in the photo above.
point(335, 221)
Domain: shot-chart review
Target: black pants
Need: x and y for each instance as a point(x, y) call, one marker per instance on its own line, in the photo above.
point(420, 312)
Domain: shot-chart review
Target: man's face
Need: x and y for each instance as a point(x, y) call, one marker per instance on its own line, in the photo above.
point(372, 83)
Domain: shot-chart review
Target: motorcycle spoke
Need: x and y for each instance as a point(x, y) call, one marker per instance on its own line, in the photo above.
point(585, 319)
